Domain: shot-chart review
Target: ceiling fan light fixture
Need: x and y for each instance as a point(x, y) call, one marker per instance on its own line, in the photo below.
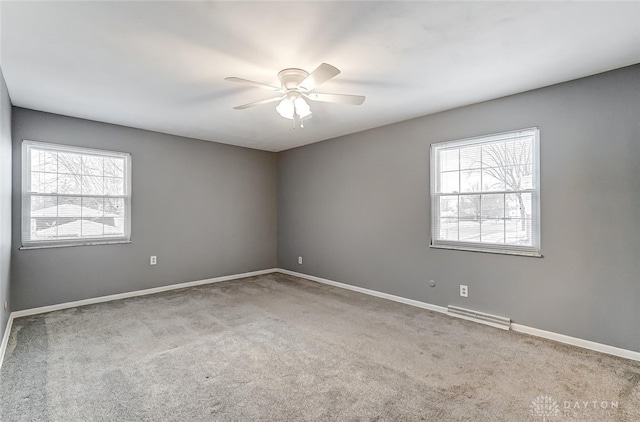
point(302, 108)
point(285, 108)
point(288, 107)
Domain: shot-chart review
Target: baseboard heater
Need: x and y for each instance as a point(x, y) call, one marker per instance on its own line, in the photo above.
point(487, 319)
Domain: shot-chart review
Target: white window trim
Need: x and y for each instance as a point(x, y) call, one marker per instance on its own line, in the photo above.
point(26, 206)
point(535, 249)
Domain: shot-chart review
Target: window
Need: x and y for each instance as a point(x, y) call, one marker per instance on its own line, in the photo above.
point(74, 196)
point(485, 193)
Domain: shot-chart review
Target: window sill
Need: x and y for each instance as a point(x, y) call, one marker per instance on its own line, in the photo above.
point(66, 245)
point(489, 250)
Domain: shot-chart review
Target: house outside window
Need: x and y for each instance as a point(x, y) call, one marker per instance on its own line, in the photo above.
point(74, 196)
point(485, 193)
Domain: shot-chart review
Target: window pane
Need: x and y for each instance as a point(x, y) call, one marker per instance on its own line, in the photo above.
point(47, 182)
point(524, 235)
point(113, 216)
point(114, 227)
point(493, 179)
point(520, 151)
point(470, 157)
point(43, 182)
point(33, 232)
point(114, 207)
point(69, 163)
point(449, 182)
point(42, 231)
point(449, 160)
point(44, 206)
point(526, 175)
point(511, 229)
point(469, 231)
point(470, 181)
point(69, 184)
point(518, 231)
point(92, 166)
point(448, 229)
point(44, 211)
point(493, 155)
point(92, 228)
point(469, 207)
point(36, 160)
point(92, 185)
point(37, 182)
point(449, 206)
point(518, 205)
point(92, 207)
point(68, 228)
point(114, 167)
point(493, 206)
point(37, 203)
point(44, 161)
point(113, 186)
point(69, 207)
point(492, 231)
point(519, 177)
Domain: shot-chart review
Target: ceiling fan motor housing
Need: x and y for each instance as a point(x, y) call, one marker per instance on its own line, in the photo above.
point(291, 78)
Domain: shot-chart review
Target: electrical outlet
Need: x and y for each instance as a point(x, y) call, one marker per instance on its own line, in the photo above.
point(300, 260)
point(153, 260)
point(464, 290)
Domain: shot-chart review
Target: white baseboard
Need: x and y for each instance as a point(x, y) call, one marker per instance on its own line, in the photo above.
point(574, 341)
point(109, 298)
point(388, 296)
point(5, 339)
point(586, 344)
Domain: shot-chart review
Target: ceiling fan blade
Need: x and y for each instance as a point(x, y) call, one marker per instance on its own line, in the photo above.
point(253, 83)
point(322, 74)
point(336, 98)
point(267, 101)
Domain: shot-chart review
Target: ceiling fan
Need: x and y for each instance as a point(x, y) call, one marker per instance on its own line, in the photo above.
point(296, 86)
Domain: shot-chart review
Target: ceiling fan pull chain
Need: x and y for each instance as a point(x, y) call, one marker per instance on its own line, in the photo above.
point(295, 115)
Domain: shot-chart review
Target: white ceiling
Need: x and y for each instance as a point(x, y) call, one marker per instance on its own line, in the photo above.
point(161, 65)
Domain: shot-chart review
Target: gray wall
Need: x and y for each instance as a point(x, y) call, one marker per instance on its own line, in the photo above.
point(204, 209)
point(357, 209)
point(5, 201)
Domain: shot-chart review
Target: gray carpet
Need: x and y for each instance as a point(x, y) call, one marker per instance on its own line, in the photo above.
point(280, 348)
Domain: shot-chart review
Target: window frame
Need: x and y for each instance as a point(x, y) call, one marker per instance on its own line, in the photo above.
point(26, 194)
point(507, 249)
